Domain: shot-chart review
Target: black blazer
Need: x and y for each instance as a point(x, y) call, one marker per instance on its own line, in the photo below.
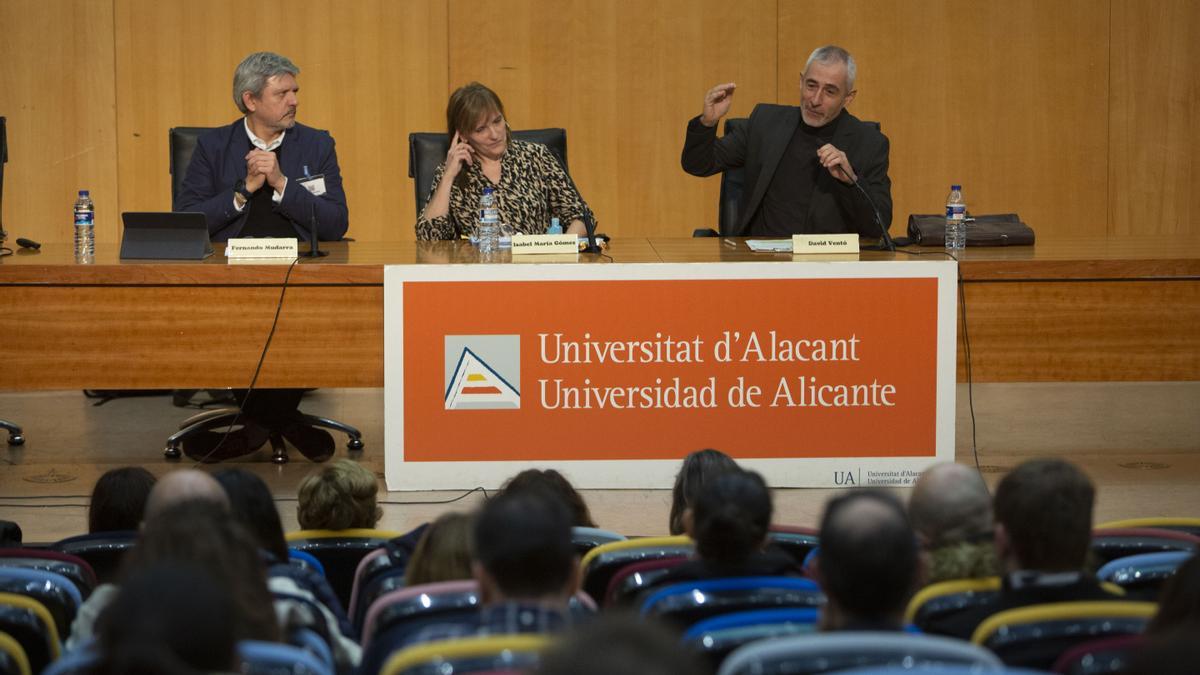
point(219, 162)
point(835, 206)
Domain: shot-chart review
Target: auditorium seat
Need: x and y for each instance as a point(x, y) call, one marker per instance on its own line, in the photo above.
point(32, 626)
point(627, 586)
point(469, 655)
point(1143, 575)
point(588, 538)
point(830, 652)
point(104, 551)
point(272, 658)
point(601, 563)
point(1036, 636)
point(339, 552)
point(1178, 523)
point(1106, 655)
point(717, 637)
point(72, 567)
point(684, 604)
point(944, 599)
point(13, 660)
point(797, 542)
point(55, 592)
point(1110, 543)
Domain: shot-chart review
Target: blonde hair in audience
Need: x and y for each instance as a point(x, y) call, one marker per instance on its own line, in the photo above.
point(338, 497)
point(443, 552)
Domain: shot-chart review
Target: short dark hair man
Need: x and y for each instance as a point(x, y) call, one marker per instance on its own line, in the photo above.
point(801, 163)
point(867, 563)
point(1043, 512)
point(266, 175)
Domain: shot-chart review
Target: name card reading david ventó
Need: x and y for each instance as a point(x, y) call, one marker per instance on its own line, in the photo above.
point(824, 243)
point(267, 247)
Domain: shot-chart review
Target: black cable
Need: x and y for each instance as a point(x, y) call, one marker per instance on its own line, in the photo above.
point(257, 369)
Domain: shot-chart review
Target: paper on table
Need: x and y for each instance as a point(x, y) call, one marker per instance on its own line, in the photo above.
point(771, 245)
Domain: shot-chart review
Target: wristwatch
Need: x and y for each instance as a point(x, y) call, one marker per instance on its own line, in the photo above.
point(240, 188)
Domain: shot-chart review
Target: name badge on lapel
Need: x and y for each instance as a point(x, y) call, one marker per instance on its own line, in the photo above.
point(314, 184)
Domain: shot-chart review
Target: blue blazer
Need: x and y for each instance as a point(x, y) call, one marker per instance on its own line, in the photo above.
point(219, 162)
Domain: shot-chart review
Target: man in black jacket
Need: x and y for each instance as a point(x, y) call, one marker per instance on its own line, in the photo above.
point(801, 163)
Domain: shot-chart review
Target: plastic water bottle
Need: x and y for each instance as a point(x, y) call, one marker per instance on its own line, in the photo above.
point(489, 222)
point(555, 227)
point(956, 219)
point(85, 229)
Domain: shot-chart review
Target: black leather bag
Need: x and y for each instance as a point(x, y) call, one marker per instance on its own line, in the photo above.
point(1005, 229)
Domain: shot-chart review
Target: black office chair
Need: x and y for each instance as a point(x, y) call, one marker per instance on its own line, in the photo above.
point(269, 414)
point(733, 182)
point(427, 151)
point(15, 436)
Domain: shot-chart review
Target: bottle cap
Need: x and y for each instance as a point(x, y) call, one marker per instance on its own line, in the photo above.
point(955, 187)
point(83, 193)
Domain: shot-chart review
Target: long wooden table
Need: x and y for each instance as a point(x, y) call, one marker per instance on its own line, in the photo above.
point(1066, 310)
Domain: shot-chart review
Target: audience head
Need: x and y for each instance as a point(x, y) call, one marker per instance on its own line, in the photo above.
point(555, 485)
point(1044, 517)
point(472, 106)
point(119, 499)
point(619, 643)
point(184, 485)
point(443, 552)
point(252, 504)
point(170, 618)
point(867, 563)
point(1179, 602)
point(951, 512)
point(730, 516)
point(339, 496)
point(523, 551)
point(200, 532)
point(697, 468)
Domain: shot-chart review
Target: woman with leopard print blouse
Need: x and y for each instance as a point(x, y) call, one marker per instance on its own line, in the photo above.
point(530, 185)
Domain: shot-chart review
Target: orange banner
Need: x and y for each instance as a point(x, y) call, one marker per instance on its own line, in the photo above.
point(654, 369)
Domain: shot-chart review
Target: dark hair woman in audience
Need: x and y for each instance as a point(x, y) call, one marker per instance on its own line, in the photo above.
point(529, 184)
point(444, 551)
point(729, 520)
point(119, 499)
point(556, 485)
point(698, 467)
point(169, 619)
point(253, 505)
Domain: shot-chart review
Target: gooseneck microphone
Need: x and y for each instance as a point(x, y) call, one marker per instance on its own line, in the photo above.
point(314, 248)
point(885, 241)
point(589, 220)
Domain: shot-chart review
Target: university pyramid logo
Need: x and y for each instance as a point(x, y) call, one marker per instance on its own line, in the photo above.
point(479, 384)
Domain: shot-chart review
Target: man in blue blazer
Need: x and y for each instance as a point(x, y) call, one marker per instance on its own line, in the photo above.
point(802, 163)
point(266, 175)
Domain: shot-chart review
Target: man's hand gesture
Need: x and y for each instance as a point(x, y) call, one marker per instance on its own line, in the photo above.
point(716, 103)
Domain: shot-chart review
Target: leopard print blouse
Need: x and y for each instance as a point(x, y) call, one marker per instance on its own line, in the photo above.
point(532, 189)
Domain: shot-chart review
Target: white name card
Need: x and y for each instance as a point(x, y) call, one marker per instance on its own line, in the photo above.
point(526, 244)
point(267, 247)
point(803, 244)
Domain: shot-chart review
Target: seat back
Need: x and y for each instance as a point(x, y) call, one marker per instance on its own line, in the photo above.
point(376, 560)
point(304, 559)
point(30, 624)
point(828, 652)
point(733, 182)
point(469, 655)
point(687, 603)
point(56, 593)
point(588, 538)
point(339, 552)
point(1036, 636)
point(104, 551)
point(601, 563)
point(427, 151)
point(13, 660)
point(181, 142)
point(717, 637)
point(1110, 543)
point(1106, 655)
point(413, 604)
point(74, 568)
point(797, 542)
point(1142, 576)
point(272, 658)
point(632, 581)
point(1179, 524)
point(947, 598)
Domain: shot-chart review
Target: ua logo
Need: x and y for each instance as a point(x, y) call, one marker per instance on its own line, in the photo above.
point(480, 370)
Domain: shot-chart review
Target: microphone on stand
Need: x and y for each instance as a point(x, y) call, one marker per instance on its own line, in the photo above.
point(314, 248)
point(885, 240)
point(589, 219)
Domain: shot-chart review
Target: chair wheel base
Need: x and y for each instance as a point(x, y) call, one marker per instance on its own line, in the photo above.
point(354, 444)
point(18, 439)
point(172, 452)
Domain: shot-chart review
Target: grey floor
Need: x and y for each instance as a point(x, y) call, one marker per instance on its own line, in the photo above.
point(1140, 442)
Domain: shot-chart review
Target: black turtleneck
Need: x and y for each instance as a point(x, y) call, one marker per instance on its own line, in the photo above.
point(784, 208)
point(263, 219)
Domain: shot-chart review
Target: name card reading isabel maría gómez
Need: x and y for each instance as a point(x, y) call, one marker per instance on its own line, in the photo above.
point(817, 374)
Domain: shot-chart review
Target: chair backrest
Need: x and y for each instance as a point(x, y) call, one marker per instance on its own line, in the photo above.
point(427, 151)
point(1106, 655)
point(1035, 636)
point(13, 660)
point(732, 183)
point(305, 559)
point(828, 652)
point(1111, 543)
point(56, 593)
point(632, 581)
point(339, 552)
point(72, 567)
point(601, 563)
point(717, 637)
point(797, 542)
point(1180, 524)
point(424, 600)
point(30, 624)
point(181, 142)
point(946, 598)
point(1143, 575)
point(588, 538)
point(102, 550)
point(469, 655)
point(374, 561)
point(272, 658)
point(687, 603)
